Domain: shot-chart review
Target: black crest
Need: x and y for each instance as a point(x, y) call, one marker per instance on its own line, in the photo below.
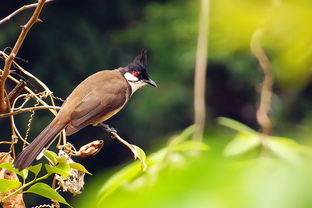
point(139, 62)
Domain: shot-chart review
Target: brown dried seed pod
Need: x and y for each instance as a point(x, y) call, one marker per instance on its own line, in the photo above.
point(90, 149)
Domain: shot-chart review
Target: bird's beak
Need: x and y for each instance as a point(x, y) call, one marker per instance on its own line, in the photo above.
point(150, 82)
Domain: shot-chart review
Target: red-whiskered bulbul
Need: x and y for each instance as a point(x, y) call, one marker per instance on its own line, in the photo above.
point(93, 101)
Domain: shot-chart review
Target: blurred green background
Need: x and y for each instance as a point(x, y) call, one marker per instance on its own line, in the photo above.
point(78, 38)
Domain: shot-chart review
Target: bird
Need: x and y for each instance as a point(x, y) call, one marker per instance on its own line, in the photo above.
point(93, 101)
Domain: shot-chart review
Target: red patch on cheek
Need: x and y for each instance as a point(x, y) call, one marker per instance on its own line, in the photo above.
point(134, 74)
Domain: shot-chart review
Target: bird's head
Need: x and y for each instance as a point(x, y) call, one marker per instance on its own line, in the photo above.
point(136, 73)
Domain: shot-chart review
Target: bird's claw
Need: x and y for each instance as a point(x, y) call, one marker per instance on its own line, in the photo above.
point(108, 129)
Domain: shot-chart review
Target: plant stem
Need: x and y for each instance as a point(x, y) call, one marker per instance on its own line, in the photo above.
point(200, 71)
point(24, 186)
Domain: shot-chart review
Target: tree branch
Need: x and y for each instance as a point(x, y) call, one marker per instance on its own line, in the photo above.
point(24, 110)
point(114, 134)
point(7, 18)
point(16, 91)
point(200, 71)
point(266, 89)
point(9, 60)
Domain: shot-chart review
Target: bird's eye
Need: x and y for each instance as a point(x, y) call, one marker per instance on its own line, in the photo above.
point(135, 74)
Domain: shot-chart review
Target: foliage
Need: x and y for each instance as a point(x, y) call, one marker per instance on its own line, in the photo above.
point(62, 166)
point(277, 177)
point(7, 185)
point(45, 190)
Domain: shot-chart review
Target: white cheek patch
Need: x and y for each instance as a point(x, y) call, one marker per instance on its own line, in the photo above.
point(136, 85)
point(130, 77)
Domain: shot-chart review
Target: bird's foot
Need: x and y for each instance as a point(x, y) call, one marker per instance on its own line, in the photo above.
point(108, 129)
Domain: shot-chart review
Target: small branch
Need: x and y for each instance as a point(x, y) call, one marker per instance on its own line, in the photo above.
point(9, 60)
point(13, 135)
point(266, 89)
point(7, 18)
point(16, 91)
point(46, 89)
point(114, 134)
point(32, 94)
point(8, 142)
point(200, 71)
point(30, 109)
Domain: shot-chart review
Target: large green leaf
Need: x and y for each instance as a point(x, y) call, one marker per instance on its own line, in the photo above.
point(242, 143)
point(52, 156)
point(79, 167)
point(35, 169)
point(62, 169)
point(286, 149)
point(114, 182)
point(192, 145)
point(9, 166)
point(7, 185)
point(235, 125)
point(155, 161)
point(44, 190)
point(178, 139)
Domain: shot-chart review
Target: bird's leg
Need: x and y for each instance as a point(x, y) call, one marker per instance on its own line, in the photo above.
point(108, 129)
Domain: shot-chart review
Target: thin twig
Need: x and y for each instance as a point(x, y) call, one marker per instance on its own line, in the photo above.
point(7, 142)
point(9, 60)
point(114, 133)
point(200, 71)
point(13, 135)
point(30, 109)
point(54, 112)
point(7, 18)
point(266, 89)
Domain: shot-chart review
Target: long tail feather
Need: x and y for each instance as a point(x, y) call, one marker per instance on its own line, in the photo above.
point(42, 141)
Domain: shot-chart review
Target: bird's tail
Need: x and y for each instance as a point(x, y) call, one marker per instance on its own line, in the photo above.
point(41, 142)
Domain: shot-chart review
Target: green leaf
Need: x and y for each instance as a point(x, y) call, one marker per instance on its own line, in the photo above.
point(125, 174)
point(9, 166)
point(52, 156)
point(178, 139)
point(192, 145)
point(7, 185)
point(44, 190)
point(140, 154)
point(242, 143)
point(79, 167)
point(62, 159)
point(62, 169)
point(286, 149)
point(230, 123)
point(35, 168)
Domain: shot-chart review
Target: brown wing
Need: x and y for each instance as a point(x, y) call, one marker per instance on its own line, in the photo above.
point(102, 102)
